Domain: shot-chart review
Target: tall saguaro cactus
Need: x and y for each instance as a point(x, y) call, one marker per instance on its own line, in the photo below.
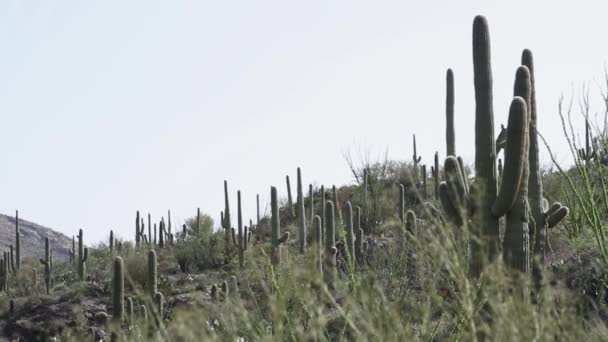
point(137, 230)
point(118, 290)
point(301, 214)
point(318, 242)
point(276, 226)
point(539, 218)
point(435, 172)
point(83, 254)
point(450, 135)
point(485, 147)
point(17, 242)
point(517, 239)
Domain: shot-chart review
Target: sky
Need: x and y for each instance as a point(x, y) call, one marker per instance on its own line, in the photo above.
point(113, 106)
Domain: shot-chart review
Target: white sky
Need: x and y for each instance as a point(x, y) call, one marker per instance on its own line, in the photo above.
point(112, 106)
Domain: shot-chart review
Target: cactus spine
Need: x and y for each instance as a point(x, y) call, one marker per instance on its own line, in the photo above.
point(118, 290)
point(82, 256)
point(450, 135)
point(151, 282)
point(17, 242)
point(301, 214)
point(289, 198)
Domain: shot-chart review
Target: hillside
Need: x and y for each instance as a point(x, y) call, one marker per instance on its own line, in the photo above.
point(32, 238)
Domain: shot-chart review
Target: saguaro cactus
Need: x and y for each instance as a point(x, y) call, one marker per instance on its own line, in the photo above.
point(150, 241)
point(410, 223)
point(435, 172)
point(111, 241)
point(425, 193)
point(318, 239)
point(350, 234)
point(241, 243)
point(365, 187)
point(159, 300)
point(322, 207)
point(450, 135)
point(485, 147)
point(47, 265)
point(129, 313)
point(416, 160)
point(401, 203)
point(118, 290)
point(290, 207)
point(138, 231)
point(226, 223)
point(276, 226)
point(151, 282)
point(329, 269)
point(83, 254)
point(358, 236)
point(301, 214)
point(311, 204)
point(17, 242)
point(539, 223)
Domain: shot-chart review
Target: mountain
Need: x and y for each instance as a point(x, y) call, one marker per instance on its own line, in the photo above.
point(32, 239)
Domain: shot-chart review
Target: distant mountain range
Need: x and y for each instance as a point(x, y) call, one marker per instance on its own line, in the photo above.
point(32, 239)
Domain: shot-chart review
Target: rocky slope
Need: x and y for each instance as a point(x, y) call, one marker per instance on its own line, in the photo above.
point(32, 238)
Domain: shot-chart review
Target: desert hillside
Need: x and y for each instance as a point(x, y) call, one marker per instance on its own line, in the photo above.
point(32, 238)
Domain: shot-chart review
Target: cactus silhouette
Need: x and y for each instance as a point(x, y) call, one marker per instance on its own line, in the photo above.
point(46, 262)
point(276, 226)
point(350, 234)
point(241, 243)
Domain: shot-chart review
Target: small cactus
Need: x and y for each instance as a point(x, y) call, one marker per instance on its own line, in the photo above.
point(129, 313)
point(159, 301)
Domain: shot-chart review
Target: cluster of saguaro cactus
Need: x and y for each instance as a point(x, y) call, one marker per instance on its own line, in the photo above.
point(511, 198)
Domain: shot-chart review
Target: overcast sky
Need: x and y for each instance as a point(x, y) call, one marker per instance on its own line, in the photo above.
point(112, 106)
